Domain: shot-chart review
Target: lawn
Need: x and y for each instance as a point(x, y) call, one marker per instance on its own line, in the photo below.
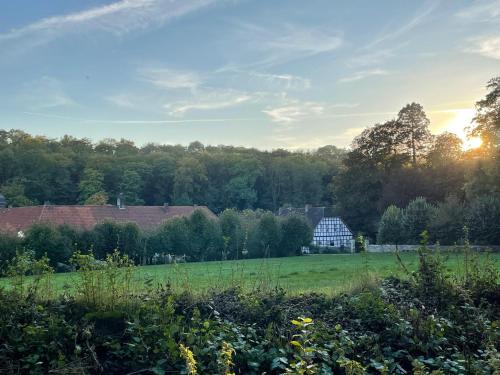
point(314, 273)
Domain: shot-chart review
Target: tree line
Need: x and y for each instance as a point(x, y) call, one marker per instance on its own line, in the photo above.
point(390, 163)
point(234, 235)
point(36, 169)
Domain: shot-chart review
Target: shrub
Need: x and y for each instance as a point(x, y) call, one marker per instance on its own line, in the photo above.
point(48, 239)
point(417, 217)
point(390, 228)
point(483, 220)
point(295, 233)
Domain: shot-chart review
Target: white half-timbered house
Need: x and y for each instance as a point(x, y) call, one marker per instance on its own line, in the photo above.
point(329, 230)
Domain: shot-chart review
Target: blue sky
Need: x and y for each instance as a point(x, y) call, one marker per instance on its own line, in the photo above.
point(269, 74)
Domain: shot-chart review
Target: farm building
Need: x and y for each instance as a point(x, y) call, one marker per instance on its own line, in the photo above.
point(19, 219)
point(329, 230)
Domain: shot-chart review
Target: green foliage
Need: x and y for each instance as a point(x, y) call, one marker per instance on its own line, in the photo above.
point(447, 224)
point(483, 220)
point(92, 183)
point(9, 246)
point(233, 233)
point(99, 199)
point(295, 233)
point(131, 187)
point(416, 218)
point(48, 239)
point(266, 237)
point(102, 284)
point(390, 229)
point(426, 325)
point(487, 121)
point(14, 192)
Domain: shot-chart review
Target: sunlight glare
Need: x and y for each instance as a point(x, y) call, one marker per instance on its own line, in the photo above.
point(459, 123)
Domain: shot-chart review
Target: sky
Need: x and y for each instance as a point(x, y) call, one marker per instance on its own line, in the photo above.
point(268, 74)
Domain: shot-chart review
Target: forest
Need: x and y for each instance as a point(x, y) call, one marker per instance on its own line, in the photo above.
point(388, 167)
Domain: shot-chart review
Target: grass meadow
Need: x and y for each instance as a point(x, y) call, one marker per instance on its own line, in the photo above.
point(330, 274)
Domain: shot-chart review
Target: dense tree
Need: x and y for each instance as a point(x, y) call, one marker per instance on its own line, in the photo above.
point(417, 217)
point(413, 130)
point(47, 239)
point(295, 233)
point(14, 192)
point(92, 183)
point(447, 225)
point(232, 232)
point(488, 117)
point(266, 237)
point(390, 229)
point(205, 241)
point(190, 181)
point(130, 187)
point(483, 220)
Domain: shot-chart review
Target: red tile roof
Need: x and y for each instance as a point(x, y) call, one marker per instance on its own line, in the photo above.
point(86, 217)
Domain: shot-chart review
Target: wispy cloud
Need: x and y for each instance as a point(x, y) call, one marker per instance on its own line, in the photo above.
point(210, 100)
point(270, 81)
point(170, 78)
point(364, 74)
point(488, 46)
point(44, 93)
point(370, 58)
point(278, 44)
point(294, 110)
point(416, 20)
point(482, 11)
point(118, 18)
point(133, 122)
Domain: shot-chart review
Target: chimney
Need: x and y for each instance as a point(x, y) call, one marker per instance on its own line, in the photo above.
point(308, 206)
point(120, 201)
point(165, 206)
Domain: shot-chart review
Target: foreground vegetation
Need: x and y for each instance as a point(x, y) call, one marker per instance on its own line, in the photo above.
point(429, 320)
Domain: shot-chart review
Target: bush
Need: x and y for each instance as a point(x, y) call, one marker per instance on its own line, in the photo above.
point(483, 220)
point(417, 217)
point(295, 233)
point(48, 239)
point(390, 229)
point(9, 246)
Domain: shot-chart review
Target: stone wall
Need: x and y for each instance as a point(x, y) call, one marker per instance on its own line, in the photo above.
point(392, 248)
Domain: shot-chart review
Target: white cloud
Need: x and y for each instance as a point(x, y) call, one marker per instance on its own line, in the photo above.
point(118, 18)
point(44, 93)
point(210, 100)
point(294, 110)
point(270, 81)
point(485, 46)
point(408, 25)
point(270, 46)
point(364, 74)
point(481, 11)
point(284, 81)
point(370, 58)
point(133, 122)
point(170, 78)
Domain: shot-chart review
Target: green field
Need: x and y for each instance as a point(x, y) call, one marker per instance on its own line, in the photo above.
point(315, 273)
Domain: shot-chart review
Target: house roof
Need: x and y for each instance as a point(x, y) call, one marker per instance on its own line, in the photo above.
point(86, 217)
point(313, 214)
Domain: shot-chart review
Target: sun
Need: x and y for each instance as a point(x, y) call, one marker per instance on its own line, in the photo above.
point(458, 124)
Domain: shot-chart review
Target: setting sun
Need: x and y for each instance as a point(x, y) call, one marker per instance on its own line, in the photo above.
point(462, 119)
